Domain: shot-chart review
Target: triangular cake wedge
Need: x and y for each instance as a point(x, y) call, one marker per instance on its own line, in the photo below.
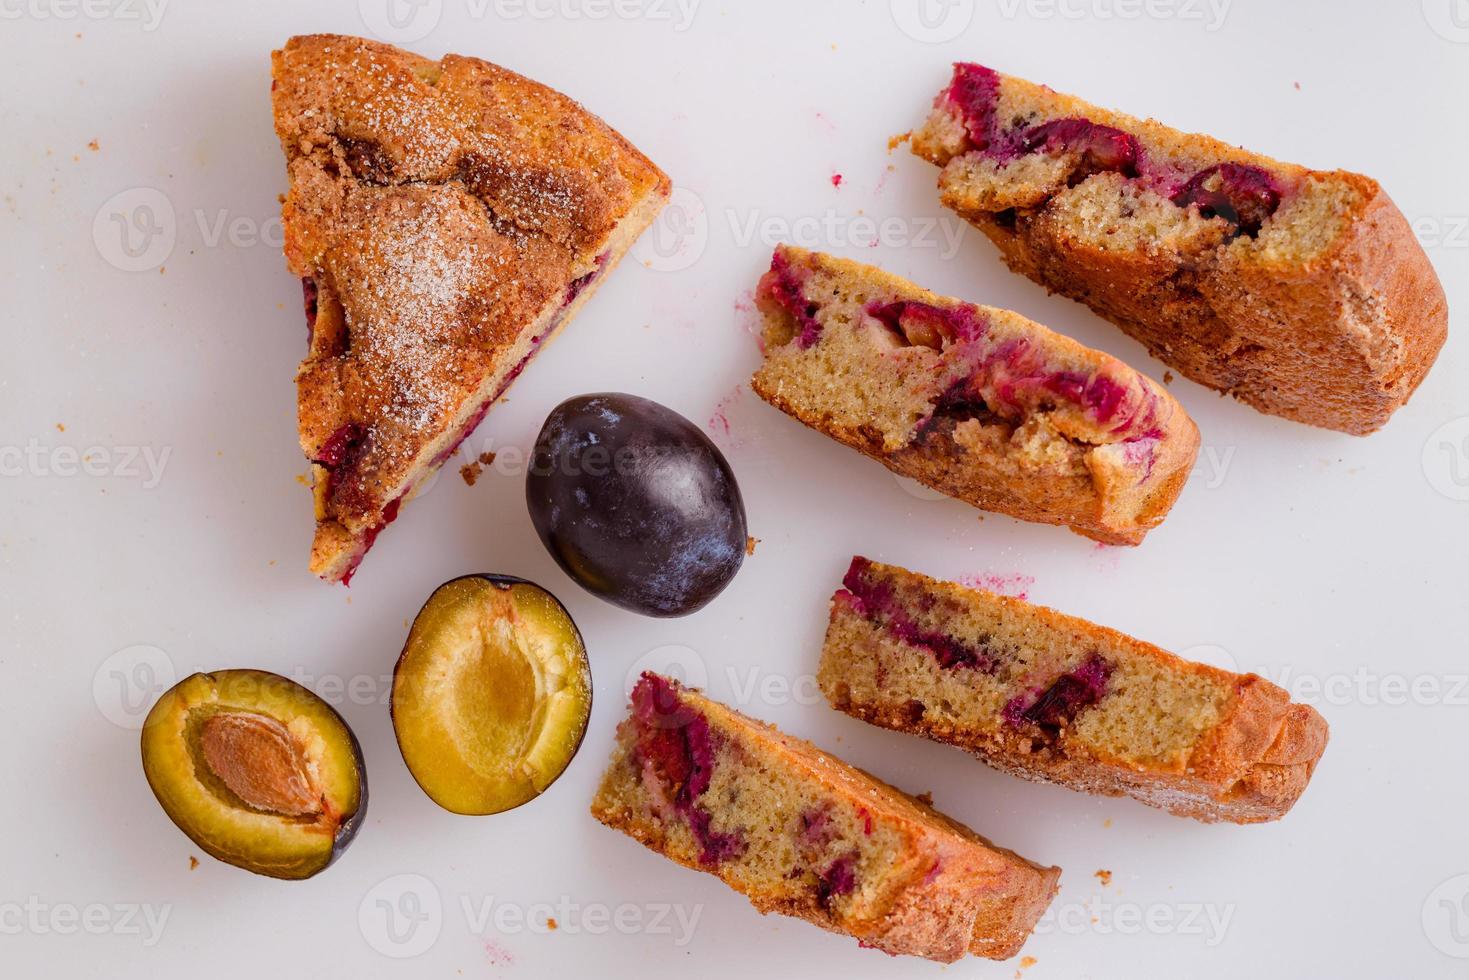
point(976, 402)
point(446, 219)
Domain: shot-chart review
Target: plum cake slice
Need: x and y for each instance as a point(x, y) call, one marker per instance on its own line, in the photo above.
point(804, 834)
point(446, 219)
point(975, 402)
point(1054, 698)
point(1303, 293)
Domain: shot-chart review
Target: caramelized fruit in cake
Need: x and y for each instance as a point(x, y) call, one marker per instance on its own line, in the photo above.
point(1055, 698)
point(976, 402)
point(804, 834)
point(1301, 292)
point(446, 218)
point(257, 770)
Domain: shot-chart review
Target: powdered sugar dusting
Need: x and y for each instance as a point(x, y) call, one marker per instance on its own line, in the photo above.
point(426, 272)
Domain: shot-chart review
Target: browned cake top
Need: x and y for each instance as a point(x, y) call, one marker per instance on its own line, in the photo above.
point(438, 209)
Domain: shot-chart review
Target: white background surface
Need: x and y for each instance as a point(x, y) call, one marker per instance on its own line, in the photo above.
point(1332, 564)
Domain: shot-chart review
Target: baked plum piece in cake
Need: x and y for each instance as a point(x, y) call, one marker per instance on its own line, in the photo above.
point(447, 218)
point(802, 833)
point(975, 402)
point(1054, 698)
point(1303, 293)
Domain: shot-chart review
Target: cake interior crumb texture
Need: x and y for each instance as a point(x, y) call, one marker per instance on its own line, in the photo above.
point(1303, 293)
point(799, 832)
point(1055, 698)
point(976, 402)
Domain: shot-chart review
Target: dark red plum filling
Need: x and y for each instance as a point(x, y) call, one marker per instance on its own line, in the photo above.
point(579, 285)
point(925, 325)
point(342, 445)
point(783, 283)
point(679, 745)
point(975, 92)
point(308, 300)
point(1100, 148)
point(389, 515)
point(876, 600)
point(1242, 194)
point(1056, 706)
point(839, 878)
point(1239, 193)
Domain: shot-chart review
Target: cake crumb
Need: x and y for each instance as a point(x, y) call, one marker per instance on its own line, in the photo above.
point(1107, 823)
point(193, 862)
point(1104, 876)
point(60, 426)
point(1168, 377)
point(750, 542)
point(94, 146)
point(1298, 86)
point(896, 141)
point(471, 472)
point(1026, 962)
point(551, 923)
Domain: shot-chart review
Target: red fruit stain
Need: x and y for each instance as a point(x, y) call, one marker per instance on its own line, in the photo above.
point(1016, 584)
point(498, 955)
point(836, 180)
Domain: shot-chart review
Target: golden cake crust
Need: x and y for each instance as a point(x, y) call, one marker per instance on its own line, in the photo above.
point(948, 892)
point(450, 217)
point(1331, 316)
point(1249, 764)
point(1097, 496)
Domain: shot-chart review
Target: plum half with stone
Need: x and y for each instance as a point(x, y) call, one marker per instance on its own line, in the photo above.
point(257, 770)
point(491, 695)
point(636, 504)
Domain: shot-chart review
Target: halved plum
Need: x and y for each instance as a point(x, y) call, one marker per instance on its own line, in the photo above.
point(491, 695)
point(257, 770)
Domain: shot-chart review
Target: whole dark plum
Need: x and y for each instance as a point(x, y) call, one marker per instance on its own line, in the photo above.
point(636, 504)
